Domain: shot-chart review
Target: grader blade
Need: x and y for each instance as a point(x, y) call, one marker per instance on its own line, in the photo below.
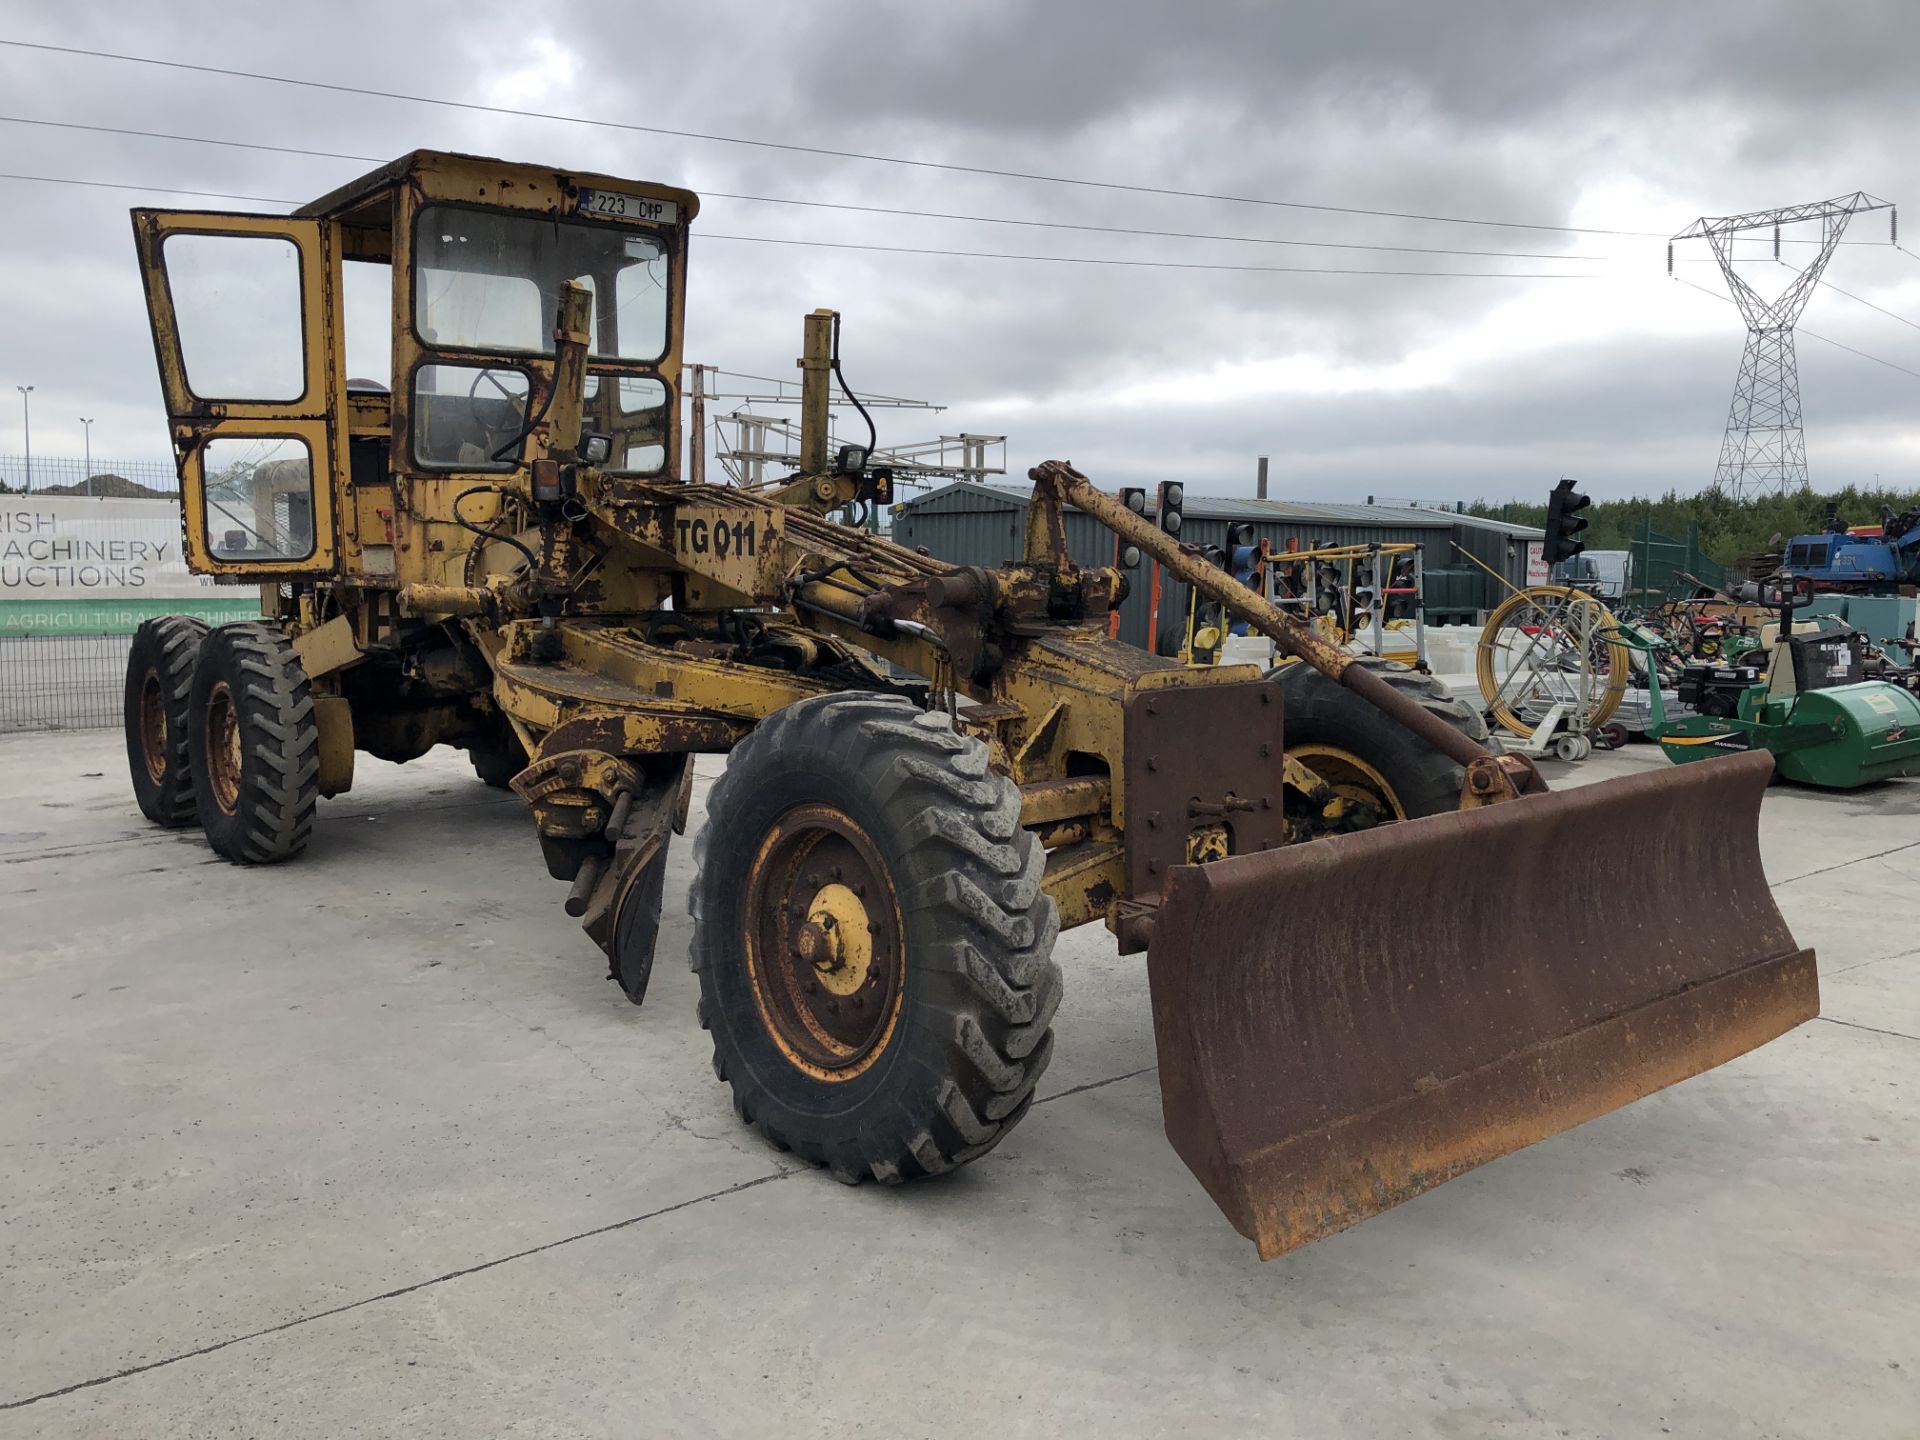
point(1346, 1023)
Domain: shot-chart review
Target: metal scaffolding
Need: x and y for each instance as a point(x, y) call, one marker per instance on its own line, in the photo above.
point(1765, 448)
point(749, 443)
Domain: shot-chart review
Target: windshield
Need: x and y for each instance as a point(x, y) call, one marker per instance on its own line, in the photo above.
point(488, 280)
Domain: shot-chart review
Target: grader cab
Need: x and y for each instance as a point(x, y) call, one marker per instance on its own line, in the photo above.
point(933, 768)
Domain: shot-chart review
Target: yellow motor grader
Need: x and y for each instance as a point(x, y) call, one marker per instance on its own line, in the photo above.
point(932, 768)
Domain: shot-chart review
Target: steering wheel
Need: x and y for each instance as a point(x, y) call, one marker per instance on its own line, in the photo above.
point(494, 437)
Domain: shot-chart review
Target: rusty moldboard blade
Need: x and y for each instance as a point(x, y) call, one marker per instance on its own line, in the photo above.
point(1346, 1023)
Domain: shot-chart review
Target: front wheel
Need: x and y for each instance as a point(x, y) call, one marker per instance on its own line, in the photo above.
point(1379, 770)
point(873, 944)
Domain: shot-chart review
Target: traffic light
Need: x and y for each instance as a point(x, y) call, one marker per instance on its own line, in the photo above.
point(1565, 523)
point(1134, 498)
point(1243, 552)
point(1172, 495)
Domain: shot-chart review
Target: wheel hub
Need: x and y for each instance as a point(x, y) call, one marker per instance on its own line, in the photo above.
point(224, 753)
point(153, 727)
point(1360, 798)
point(824, 943)
point(837, 939)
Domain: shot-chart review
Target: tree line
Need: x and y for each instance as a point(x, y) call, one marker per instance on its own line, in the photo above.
point(1729, 530)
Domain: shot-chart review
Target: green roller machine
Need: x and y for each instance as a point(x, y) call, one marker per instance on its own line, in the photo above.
point(1810, 706)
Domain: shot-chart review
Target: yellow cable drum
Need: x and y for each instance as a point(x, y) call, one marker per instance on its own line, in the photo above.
point(1548, 645)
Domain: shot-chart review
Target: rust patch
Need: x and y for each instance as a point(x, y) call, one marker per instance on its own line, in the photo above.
point(1201, 758)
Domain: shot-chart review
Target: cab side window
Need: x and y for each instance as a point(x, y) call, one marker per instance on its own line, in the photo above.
point(237, 303)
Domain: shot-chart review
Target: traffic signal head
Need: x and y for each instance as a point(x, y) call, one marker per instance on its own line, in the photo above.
point(1134, 498)
point(1172, 496)
point(1243, 551)
point(1565, 523)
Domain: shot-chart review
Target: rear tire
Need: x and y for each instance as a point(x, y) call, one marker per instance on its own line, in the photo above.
point(498, 759)
point(159, 691)
point(865, 793)
point(1322, 714)
point(255, 749)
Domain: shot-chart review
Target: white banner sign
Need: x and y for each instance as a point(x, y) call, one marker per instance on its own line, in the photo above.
point(73, 564)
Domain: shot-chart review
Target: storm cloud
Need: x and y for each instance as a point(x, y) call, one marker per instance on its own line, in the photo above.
point(1628, 118)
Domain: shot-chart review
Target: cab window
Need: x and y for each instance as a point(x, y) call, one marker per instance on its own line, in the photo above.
point(237, 306)
point(486, 280)
point(633, 410)
point(258, 496)
point(468, 417)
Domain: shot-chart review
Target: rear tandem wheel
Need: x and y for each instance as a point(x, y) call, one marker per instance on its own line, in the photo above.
point(159, 684)
point(872, 940)
point(255, 747)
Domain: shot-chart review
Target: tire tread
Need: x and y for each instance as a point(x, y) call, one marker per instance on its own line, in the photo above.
point(979, 1032)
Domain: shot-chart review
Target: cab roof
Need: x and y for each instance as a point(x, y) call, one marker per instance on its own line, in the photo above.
point(365, 206)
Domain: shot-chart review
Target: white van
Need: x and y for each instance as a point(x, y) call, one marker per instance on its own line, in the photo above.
point(1603, 574)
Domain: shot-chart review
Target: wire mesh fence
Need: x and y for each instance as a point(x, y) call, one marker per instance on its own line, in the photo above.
point(73, 475)
point(1662, 565)
point(77, 578)
point(62, 682)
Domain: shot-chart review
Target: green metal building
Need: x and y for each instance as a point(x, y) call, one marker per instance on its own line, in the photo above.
point(974, 524)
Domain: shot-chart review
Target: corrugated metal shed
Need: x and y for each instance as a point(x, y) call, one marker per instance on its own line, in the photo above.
point(973, 524)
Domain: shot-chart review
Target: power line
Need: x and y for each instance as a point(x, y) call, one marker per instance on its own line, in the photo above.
point(860, 209)
point(791, 148)
point(1870, 305)
point(706, 235)
point(1861, 353)
point(1801, 329)
point(148, 189)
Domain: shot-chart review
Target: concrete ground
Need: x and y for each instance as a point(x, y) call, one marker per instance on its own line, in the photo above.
point(367, 1145)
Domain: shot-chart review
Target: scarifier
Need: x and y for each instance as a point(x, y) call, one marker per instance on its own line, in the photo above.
point(503, 553)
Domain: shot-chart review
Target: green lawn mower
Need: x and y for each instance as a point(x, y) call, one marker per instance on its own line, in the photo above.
point(1810, 705)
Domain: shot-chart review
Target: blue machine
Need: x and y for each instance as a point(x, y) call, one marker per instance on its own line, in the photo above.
point(1838, 560)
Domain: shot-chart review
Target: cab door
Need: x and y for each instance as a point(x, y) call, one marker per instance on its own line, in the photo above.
point(244, 330)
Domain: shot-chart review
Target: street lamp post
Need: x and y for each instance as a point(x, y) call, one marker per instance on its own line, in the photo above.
point(89, 444)
point(26, 418)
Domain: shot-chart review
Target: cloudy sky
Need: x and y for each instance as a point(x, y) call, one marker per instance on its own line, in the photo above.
point(1618, 118)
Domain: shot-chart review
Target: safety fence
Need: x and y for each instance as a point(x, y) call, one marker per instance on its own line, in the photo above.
point(78, 574)
point(75, 475)
point(1660, 565)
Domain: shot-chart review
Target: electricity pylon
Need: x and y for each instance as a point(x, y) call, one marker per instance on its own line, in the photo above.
point(1765, 449)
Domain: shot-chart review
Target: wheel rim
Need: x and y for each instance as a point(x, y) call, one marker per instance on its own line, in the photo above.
point(223, 748)
point(824, 943)
point(153, 727)
point(1351, 778)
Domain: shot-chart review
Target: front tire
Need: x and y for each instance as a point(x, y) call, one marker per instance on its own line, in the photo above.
point(1364, 752)
point(255, 748)
point(159, 692)
point(872, 941)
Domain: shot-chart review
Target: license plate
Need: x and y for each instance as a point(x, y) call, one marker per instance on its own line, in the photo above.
point(618, 205)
